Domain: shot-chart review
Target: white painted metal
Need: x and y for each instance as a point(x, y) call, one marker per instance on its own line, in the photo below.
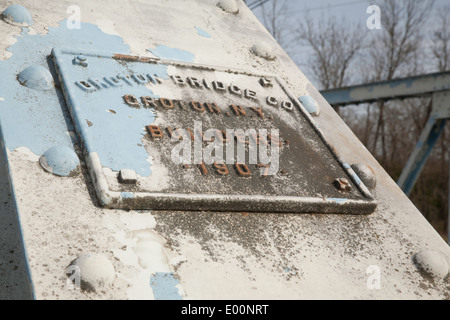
point(214, 256)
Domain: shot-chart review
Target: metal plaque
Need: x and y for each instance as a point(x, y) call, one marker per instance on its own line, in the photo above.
point(173, 135)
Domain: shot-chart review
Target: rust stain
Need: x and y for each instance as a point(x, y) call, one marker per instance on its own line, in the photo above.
point(130, 58)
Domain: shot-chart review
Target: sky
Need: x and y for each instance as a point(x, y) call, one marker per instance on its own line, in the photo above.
point(354, 11)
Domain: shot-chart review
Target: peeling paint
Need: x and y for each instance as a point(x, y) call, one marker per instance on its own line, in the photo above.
point(144, 250)
point(337, 200)
point(115, 136)
point(127, 195)
point(310, 104)
point(230, 255)
point(202, 32)
point(164, 286)
point(355, 177)
point(33, 118)
point(168, 53)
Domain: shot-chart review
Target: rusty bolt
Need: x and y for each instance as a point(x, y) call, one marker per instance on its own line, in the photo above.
point(342, 184)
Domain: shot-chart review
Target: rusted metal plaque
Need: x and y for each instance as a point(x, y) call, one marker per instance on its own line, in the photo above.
point(180, 136)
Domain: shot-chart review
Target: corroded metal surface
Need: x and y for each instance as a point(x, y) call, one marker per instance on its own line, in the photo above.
point(219, 110)
point(191, 255)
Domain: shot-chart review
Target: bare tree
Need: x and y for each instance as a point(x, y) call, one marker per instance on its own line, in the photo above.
point(401, 40)
point(441, 40)
point(396, 50)
point(441, 53)
point(335, 45)
point(276, 18)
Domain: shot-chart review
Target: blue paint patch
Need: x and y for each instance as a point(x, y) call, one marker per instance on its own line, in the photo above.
point(309, 103)
point(164, 287)
point(127, 195)
point(60, 160)
point(116, 136)
point(18, 14)
point(37, 119)
point(168, 53)
point(356, 179)
point(36, 77)
point(337, 200)
point(202, 33)
point(334, 97)
point(408, 82)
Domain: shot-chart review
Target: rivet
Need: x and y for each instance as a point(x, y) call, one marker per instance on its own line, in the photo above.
point(60, 160)
point(265, 82)
point(342, 184)
point(432, 263)
point(81, 60)
point(229, 6)
point(310, 105)
point(18, 15)
point(36, 77)
point(263, 50)
point(366, 174)
point(96, 272)
point(127, 176)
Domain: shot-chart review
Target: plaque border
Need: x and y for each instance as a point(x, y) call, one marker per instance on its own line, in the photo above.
point(208, 202)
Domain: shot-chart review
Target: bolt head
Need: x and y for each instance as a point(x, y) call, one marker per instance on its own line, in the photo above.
point(96, 272)
point(265, 82)
point(310, 105)
point(17, 15)
point(61, 161)
point(342, 184)
point(229, 6)
point(36, 77)
point(263, 50)
point(433, 263)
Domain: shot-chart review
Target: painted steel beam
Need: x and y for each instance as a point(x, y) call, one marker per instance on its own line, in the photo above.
point(430, 134)
point(411, 87)
point(418, 158)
